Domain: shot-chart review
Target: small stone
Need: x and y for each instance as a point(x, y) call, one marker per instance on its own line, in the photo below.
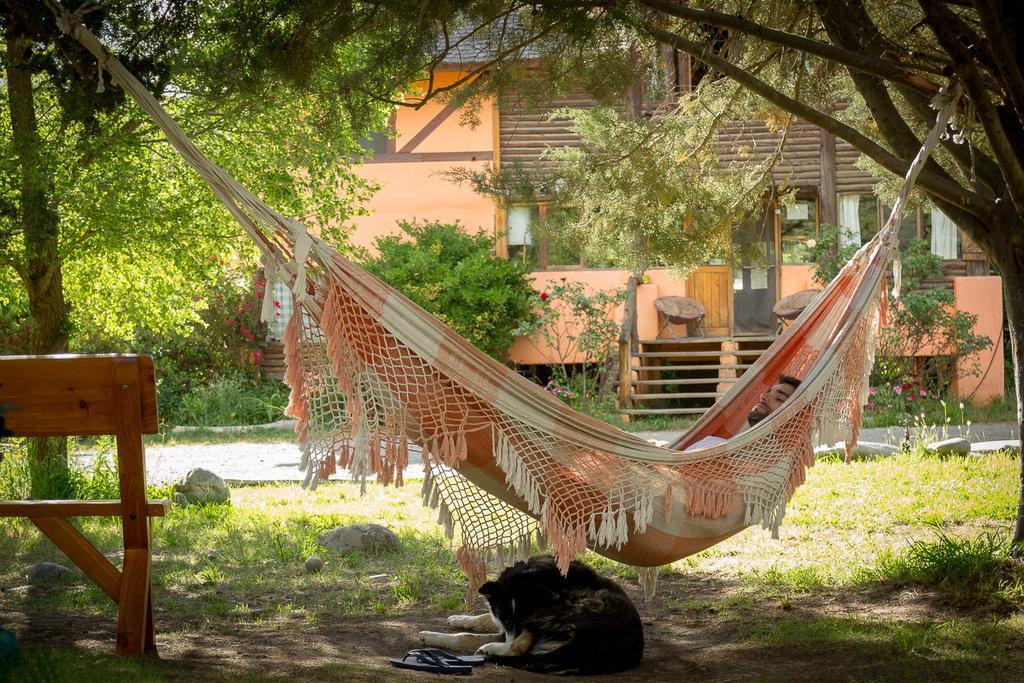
point(314, 564)
point(864, 450)
point(212, 555)
point(955, 446)
point(370, 538)
point(47, 574)
point(203, 486)
point(986, 447)
point(379, 578)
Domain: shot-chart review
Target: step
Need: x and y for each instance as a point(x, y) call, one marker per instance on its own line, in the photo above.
point(664, 411)
point(708, 380)
point(697, 354)
point(710, 340)
point(696, 394)
point(721, 366)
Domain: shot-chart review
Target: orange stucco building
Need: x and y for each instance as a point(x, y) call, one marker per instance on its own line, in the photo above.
point(409, 165)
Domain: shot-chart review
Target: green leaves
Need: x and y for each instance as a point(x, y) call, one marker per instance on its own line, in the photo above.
point(455, 276)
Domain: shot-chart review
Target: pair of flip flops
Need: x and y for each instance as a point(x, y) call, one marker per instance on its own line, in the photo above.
point(438, 661)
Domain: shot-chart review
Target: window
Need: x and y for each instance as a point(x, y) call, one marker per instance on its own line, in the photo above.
point(858, 219)
point(931, 225)
point(526, 245)
point(520, 236)
point(799, 230)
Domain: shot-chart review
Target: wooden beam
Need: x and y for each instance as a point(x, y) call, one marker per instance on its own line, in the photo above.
point(69, 395)
point(75, 508)
point(83, 553)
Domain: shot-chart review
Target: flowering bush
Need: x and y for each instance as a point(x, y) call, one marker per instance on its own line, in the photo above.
point(558, 390)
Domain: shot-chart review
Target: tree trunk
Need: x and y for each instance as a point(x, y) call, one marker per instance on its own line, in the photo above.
point(1013, 286)
point(40, 267)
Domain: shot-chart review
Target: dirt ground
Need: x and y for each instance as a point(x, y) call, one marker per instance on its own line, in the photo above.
point(687, 637)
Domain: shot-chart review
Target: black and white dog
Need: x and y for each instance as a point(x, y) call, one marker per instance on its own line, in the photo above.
point(580, 623)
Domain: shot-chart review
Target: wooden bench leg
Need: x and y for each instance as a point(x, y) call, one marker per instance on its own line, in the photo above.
point(133, 614)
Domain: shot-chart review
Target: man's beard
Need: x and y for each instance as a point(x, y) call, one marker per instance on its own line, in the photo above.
point(753, 418)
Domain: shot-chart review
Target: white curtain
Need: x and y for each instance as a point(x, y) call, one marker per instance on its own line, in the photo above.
point(945, 235)
point(849, 220)
point(519, 225)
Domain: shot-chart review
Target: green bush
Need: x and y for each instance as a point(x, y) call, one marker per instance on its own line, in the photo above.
point(456, 277)
point(923, 316)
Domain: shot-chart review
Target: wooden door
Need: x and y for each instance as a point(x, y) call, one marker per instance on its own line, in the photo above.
point(712, 286)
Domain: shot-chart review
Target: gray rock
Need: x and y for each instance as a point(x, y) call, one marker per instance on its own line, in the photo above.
point(47, 574)
point(954, 446)
point(212, 554)
point(370, 538)
point(203, 486)
point(985, 447)
point(865, 450)
point(314, 564)
point(180, 499)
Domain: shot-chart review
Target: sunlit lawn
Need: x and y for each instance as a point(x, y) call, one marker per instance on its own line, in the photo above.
point(220, 567)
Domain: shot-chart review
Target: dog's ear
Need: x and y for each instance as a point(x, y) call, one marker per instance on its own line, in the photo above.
point(489, 589)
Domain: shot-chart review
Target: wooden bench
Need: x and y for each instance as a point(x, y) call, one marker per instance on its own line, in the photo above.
point(70, 395)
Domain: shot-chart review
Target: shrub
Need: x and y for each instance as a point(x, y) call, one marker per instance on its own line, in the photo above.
point(571, 321)
point(923, 316)
point(456, 277)
point(232, 399)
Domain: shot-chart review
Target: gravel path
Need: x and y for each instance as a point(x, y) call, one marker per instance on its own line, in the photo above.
point(256, 462)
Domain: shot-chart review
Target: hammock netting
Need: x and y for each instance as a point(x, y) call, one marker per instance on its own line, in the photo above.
point(505, 462)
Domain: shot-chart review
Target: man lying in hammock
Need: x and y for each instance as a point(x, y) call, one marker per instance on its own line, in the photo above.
point(769, 402)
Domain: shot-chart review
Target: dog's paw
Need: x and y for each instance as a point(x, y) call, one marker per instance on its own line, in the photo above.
point(465, 621)
point(492, 649)
point(433, 638)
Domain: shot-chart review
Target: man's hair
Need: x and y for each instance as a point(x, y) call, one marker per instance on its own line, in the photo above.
point(790, 380)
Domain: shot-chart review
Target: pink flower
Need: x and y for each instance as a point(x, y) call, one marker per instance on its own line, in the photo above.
point(245, 330)
point(897, 389)
point(250, 336)
point(231, 322)
point(871, 391)
point(543, 296)
point(870, 405)
point(278, 304)
point(923, 393)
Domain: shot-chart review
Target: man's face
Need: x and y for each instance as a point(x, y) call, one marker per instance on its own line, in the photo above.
point(769, 402)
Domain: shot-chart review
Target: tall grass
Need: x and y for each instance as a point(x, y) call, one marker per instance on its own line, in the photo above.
point(228, 400)
point(970, 571)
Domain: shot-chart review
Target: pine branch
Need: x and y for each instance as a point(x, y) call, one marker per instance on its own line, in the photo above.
point(869, 64)
point(952, 191)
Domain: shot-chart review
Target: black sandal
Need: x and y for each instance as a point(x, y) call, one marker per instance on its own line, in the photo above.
point(429, 660)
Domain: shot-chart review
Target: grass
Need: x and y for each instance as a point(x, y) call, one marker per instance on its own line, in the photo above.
point(858, 533)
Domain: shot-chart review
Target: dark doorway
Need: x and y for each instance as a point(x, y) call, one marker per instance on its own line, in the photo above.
point(755, 275)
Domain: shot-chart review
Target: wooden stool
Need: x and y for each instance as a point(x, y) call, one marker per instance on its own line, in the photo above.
point(83, 396)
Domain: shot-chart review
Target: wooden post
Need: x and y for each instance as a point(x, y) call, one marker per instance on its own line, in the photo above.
point(134, 618)
point(827, 199)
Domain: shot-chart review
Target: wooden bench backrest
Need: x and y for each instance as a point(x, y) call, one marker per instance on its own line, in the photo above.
point(70, 395)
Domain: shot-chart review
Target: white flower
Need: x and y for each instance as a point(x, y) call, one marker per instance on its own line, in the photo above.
point(812, 243)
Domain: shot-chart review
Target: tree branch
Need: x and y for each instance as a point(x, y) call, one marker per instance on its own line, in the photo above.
point(1009, 69)
point(869, 64)
point(943, 24)
point(951, 191)
point(849, 26)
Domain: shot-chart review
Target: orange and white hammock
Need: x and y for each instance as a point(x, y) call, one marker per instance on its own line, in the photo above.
point(504, 460)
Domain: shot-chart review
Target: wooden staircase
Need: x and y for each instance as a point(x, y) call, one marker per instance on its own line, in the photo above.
point(685, 376)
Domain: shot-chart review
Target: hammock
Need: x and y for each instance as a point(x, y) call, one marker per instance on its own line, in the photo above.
point(505, 461)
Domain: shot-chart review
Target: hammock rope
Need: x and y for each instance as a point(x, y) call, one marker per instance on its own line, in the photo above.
point(507, 464)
